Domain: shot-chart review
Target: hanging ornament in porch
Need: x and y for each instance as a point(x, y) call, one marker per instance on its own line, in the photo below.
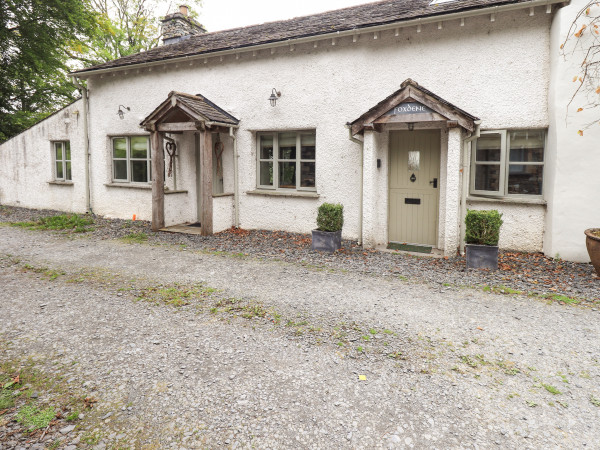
point(219, 147)
point(171, 149)
point(413, 178)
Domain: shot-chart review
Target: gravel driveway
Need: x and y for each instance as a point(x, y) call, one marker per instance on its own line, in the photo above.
point(332, 359)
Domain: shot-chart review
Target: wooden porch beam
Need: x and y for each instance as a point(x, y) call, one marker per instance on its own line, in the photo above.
point(178, 126)
point(206, 166)
point(158, 181)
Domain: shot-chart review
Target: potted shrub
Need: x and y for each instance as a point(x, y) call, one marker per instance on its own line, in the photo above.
point(328, 236)
point(592, 241)
point(482, 235)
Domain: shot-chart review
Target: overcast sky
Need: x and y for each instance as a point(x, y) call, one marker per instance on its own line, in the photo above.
point(218, 15)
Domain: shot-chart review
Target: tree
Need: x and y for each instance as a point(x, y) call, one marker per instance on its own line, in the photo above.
point(583, 39)
point(123, 27)
point(33, 38)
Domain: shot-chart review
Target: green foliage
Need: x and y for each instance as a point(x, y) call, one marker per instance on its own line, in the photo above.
point(33, 38)
point(483, 227)
point(31, 417)
point(73, 222)
point(330, 217)
point(122, 28)
point(135, 238)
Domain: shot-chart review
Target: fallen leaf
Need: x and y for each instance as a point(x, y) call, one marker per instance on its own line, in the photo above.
point(362, 378)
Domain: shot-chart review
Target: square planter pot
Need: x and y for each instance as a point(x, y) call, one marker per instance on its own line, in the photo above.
point(482, 256)
point(326, 241)
point(593, 247)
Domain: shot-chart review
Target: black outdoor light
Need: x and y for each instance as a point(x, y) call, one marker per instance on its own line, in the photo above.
point(121, 113)
point(275, 94)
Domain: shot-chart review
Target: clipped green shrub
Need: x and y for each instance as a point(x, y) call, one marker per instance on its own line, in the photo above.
point(330, 217)
point(483, 227)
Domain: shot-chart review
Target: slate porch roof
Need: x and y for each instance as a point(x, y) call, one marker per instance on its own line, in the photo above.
point(198, 104)
point(352, 18)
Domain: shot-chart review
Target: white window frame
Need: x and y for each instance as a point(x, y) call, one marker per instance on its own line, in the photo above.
point(276, 160)
point(505, 165)
point(129, 159)
point(63, 161)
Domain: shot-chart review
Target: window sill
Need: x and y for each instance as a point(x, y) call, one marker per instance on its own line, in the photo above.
point(305, 194)
point(179, 191)
point(61, 183)
point(508, 200)
point(226, 194)
point(130, 185)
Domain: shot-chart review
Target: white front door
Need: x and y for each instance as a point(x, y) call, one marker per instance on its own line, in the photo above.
point(414, 181)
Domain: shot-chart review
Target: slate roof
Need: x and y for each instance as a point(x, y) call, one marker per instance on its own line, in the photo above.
point(200, 105)
point(352, 18)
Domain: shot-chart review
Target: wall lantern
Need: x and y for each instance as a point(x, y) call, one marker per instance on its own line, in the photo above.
point(275, 94)
point(121, 113)
point(411, 126)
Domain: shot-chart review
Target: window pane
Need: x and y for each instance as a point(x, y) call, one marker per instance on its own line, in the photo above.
point(527, 146)
point(139, 147)
point(414, 160)
point(307, 174)
point(307, 143)
point(120, 148)
point(287, 175)
point(488, 147)
point(287, 145)
point(525, 179)
point(266, 147)
point(487, 177)
point(68, 170)
point(68, 151)
point(120, 170)
point(266, 174)
point(59, 170)
point(139, 171)
point(58, 150)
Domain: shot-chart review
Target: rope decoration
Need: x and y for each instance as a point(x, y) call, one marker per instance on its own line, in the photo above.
point(171, 149)
point(219, 148)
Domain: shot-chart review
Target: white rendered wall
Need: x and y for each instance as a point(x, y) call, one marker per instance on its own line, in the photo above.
point(523, 227)
point(322, 89)
point(27, 164)
point(572, 180)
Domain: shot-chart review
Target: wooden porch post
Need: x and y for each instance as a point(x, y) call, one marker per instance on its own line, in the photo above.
point(158, 182)
point(206, 166)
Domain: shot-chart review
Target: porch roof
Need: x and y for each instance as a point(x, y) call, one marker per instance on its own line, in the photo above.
point(411, 91)
point(181, 107)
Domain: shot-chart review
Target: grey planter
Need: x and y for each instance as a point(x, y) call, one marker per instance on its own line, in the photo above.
point(326, 241)
point(482, 256)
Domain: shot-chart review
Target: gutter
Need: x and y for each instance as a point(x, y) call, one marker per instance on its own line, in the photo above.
point(335, 35)
point(361, 182)
point(465, 169)
point(86, 144)
point(236, 187)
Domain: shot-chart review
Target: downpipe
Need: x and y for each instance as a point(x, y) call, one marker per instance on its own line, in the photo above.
point(465, 170)
point(361, 182)
point(236, 188)
point(86, 144)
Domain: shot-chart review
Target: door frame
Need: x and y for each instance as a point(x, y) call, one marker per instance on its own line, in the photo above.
point(439, 189)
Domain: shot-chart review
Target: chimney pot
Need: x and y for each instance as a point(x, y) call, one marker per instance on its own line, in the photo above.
point(183, 9)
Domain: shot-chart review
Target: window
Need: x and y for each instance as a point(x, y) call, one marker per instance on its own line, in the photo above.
point(506, 163)
point(62, 161)
point(131, 159)
point(286, 160)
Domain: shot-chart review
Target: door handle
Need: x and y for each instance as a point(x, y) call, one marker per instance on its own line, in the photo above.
point(434, 182)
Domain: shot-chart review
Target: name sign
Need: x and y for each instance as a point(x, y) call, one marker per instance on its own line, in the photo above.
point(409, 108)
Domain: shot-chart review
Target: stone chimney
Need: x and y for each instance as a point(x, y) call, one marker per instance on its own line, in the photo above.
point(179, 26)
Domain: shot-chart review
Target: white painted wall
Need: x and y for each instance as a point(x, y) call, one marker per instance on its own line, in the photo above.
point(523, 227)
point(572, 166)
point(27, 164)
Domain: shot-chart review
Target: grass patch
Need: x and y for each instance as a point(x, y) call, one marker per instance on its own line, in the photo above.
point(49, 274)
point(594, 401)
point(33, 418)
point(552, 389)
point(504, 290)
point(72, 222)
point(135, 238)
point(174, 295)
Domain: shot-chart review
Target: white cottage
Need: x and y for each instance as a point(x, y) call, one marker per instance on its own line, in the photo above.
point(406, 112)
